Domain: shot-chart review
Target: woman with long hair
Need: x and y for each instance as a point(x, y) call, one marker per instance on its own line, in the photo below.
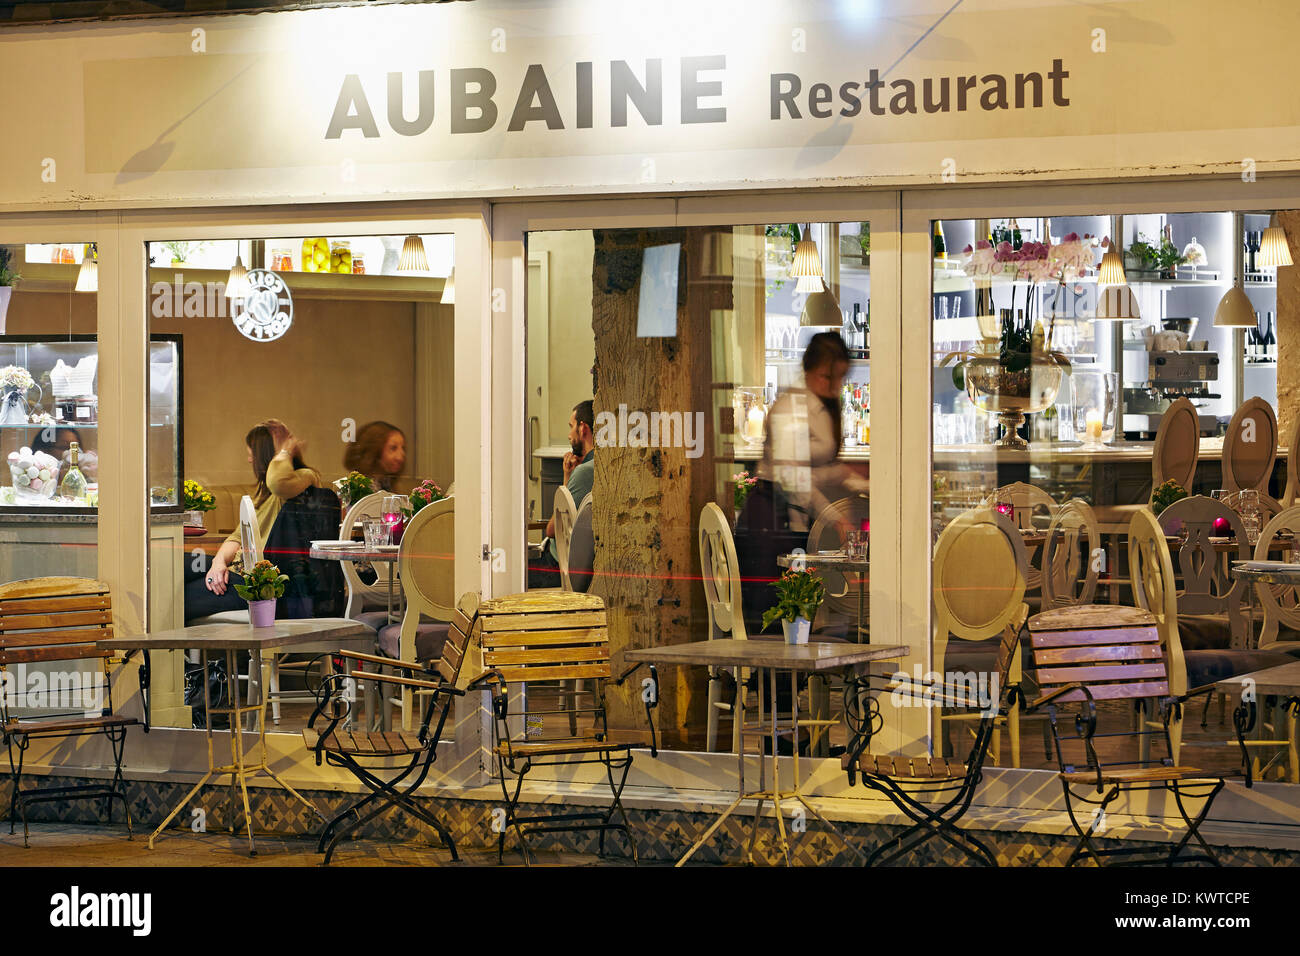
point(281, 474)
point(379, 453)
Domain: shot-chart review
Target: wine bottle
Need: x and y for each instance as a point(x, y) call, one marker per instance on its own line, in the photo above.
point(1015, 235)
point(1270, 340)
point(1253, 248)
point(940, 250)
point(866, 330)
point(73, 484)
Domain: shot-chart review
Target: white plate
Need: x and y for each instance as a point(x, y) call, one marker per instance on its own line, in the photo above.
point(337, 544)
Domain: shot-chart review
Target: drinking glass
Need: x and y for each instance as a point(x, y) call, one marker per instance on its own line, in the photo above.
point(1249, 509)
point(856, 545)
point(376, 532)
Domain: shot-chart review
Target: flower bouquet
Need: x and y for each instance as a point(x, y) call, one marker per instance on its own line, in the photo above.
point(15, 383)
point(425, 493)
point(745, 483)
point(196, 500)
point(353, 487)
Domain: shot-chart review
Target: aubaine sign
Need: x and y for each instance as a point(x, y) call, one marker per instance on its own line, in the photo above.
point(474, 96)
point(517, 97)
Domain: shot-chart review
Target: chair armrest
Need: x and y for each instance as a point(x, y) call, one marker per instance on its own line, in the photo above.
point(649, 696)
point(494, 682)
point(404, 681)
point(386, 661)
point(1053, 694)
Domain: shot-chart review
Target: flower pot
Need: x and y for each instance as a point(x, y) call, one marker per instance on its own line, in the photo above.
point(796, 631)
point(194, 519)
point(261, 613)
point(5, 292)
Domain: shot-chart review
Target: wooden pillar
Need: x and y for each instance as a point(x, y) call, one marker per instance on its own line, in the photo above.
point(646, 500)
point(1288, 330)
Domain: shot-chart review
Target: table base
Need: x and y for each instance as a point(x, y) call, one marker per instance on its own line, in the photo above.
point(238, 770)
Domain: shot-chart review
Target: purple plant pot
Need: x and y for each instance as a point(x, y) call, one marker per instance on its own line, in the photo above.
point(261, 613)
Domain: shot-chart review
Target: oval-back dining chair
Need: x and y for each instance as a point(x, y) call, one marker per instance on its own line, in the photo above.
point(1207, 593)
point(565, 512)
point(1250, 447)
point(1151, 572)
point(1178, 446)
point(1280, 602)
point(979, 590)
point(720, 571)
point(841, 589)
point(1025, 500)
point(1072, 556)
point(360, 594)
point(426, 567)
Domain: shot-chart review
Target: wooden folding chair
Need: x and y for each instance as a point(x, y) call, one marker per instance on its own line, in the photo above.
point(58, 620)
point(357, 752)
point(530, 641)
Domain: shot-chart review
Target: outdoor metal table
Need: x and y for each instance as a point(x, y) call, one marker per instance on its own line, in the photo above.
point(769, 656)
point(324, 634)
point(1282, 682)
point(361, 555)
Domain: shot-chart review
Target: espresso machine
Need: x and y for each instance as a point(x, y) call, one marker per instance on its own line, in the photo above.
point(1169, 365)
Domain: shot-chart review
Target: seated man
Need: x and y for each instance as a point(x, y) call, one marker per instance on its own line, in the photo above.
point(579, 473)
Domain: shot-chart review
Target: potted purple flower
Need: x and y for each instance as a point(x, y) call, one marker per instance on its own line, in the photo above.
point(262, 586)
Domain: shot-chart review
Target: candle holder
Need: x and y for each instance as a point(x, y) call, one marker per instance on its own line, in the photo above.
point(1096, 401)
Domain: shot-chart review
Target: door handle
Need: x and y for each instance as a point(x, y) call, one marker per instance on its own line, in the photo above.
point(534, 422)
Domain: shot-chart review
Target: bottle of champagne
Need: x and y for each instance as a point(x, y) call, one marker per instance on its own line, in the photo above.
point(940, 249)
point(73, 484)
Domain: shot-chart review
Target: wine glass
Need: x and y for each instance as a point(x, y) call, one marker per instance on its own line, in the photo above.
point(392, 513)
point(1249, 510)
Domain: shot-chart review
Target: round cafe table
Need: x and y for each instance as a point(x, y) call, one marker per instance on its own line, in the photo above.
point(359, 555)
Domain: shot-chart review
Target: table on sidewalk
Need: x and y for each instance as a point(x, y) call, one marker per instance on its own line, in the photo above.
point(1282, 682)
point(359, 554)
point(771, 657)
point(319, 635)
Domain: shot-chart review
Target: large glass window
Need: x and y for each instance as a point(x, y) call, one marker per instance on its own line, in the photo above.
point(1086, 368)
point(709, 389)
point(314, 379)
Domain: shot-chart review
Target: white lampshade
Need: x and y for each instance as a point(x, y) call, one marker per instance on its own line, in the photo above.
point(807, 267)
point(237, 281)
point(414, 258)
point(88, 276)
point(1112, 270)
point(449, 289)
point(1117, 303)
point(1274, 250)
point(821, 308)
point(1235, 311)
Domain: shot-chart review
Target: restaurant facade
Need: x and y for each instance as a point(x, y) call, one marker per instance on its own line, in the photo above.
point(542, 152)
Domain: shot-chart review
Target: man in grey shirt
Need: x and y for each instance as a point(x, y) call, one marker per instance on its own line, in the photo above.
point(579, 474)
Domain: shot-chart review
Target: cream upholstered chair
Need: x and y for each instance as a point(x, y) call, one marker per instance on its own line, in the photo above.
point(979, 589)
point(426, 568)
point(1175, 456)
point(720, 571)
point(565, 512)
point(360, 594)
point(1071, 556)
point(1250, 447)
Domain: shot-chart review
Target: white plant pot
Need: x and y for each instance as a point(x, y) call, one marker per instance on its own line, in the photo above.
point(796, 631)
point(194, 519)
point(5, 292)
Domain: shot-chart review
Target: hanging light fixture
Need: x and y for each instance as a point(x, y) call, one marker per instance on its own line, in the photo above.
point(237, 281)
point(449, 289)
point(821, 308)
point(414, 258)
point(1112, 269)
point(1235, 311)
point(88, 277)
point(807, 267)
point(1117, 303)
point(1274, 250)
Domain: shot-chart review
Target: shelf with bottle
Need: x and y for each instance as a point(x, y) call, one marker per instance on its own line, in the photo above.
point(1261, 342)
point(855, 406)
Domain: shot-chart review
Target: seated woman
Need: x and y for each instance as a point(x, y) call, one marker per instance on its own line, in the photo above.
point(379, 453)
point(281, 475)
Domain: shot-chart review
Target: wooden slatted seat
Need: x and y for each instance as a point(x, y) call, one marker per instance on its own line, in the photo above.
point(355, 750)
point(58, 621)
point(909, 768)
point(548, 643)
point(1093, 653)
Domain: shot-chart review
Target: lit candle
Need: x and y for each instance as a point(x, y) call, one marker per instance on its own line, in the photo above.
point(754, 423)
point(1093, 425)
